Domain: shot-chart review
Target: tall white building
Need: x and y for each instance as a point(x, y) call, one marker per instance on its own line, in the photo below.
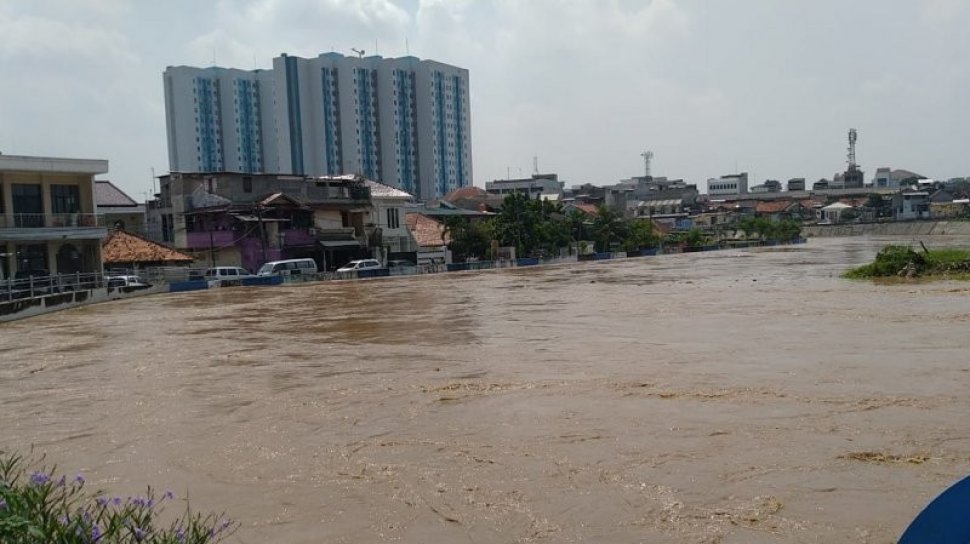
point(404, 121)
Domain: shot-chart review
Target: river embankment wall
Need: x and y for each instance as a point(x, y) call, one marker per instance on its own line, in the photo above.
point(908, 228)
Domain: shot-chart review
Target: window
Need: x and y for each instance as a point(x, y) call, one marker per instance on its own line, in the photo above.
point(393, 218)
point(28, 206)
point(65, 199)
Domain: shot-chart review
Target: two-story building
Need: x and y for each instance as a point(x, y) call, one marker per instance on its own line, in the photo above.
point(239, 219)
point(48, 222)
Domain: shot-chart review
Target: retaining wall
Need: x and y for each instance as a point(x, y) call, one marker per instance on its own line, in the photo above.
point(906, 229)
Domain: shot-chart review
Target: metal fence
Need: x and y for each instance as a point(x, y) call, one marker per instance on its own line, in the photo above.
point(37, 286)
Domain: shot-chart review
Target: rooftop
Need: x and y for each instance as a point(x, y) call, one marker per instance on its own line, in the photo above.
point(426, 231)
point(108, 194)
point(23, 163)
point(124, 247)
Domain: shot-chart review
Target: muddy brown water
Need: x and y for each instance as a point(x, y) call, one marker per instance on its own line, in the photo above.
point(736, 396)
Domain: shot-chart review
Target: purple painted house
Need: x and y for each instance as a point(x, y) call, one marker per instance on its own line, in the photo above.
point(250, 219)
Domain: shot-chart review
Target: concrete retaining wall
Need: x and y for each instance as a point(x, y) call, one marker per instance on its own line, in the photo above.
point(909, 228)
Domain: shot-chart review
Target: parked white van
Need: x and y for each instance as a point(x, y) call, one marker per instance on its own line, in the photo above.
point(289, 267)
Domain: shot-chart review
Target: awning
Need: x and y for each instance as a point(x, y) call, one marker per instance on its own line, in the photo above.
point(339, 243)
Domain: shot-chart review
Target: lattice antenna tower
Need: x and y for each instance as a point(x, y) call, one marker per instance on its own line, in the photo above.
point(647, 156)
point(853, 136)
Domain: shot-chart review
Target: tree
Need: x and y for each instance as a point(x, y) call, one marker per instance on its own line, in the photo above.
point(640, 235)
point(468, 239)
point(608, 227)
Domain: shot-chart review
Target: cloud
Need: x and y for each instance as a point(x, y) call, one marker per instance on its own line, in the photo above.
point(32, 37)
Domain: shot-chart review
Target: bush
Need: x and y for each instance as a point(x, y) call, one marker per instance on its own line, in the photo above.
point(889, 261)
point(36, 507)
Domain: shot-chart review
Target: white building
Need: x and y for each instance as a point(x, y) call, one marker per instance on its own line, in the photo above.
point(405, 122)
point(538, 186)
point(733, 184)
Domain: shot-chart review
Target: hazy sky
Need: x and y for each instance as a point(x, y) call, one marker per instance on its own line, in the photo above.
point(768, 86)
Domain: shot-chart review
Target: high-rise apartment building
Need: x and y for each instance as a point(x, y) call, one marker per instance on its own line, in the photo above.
point(405, 121)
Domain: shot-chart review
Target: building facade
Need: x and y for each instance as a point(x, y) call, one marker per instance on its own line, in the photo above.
point(48, 219)
point(405, 122)
point(733, 184)
point(240, 219)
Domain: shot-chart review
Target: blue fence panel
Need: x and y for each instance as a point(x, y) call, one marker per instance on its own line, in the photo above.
point(180, 286)
point(527, 261)
point(602, 256)
point(263, 280)
point(373, 273)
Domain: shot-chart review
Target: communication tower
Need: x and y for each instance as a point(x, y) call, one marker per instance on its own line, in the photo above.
point(647, 156)
point(853, 136)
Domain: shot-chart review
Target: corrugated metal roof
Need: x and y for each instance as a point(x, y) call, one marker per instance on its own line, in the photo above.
point(107, 194)
point(380, 190)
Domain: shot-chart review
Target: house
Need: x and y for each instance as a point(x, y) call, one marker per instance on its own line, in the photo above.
point(911, 205)
point(131, 251)
point(237, 219)
point(48, 220)
point(776, 210)
point(120, 211)
point(387, 214)
point(429, 238)
point(833, 213)
point(591, 210)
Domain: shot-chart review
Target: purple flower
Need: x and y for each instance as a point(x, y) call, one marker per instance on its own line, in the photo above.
point(102, 501)
point(62, 481)
point(168, 495)
point(96, 533)
point(139, 534)
point(79, 479)
point(116, 501)
point(139, 502)
point(3, 504)
point(180, 534)
point(39, 478)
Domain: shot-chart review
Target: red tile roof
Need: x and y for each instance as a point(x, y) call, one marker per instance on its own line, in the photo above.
point(773, 206)
point(124, 247)
point(426, 231)
point(588, 209)
point(470, 192)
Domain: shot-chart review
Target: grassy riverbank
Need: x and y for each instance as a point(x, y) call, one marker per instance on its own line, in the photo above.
point(902, 261)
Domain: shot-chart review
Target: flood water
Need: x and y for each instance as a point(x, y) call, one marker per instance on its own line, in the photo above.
point(737, 396)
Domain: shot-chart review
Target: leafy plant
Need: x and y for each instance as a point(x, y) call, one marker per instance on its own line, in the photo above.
point(37, 507)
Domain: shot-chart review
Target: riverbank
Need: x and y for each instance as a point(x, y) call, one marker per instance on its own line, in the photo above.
point(905, 228)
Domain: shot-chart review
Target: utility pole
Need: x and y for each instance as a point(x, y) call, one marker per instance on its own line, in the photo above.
point(262, 235)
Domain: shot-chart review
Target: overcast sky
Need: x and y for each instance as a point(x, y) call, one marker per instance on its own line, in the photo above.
point(765, 86)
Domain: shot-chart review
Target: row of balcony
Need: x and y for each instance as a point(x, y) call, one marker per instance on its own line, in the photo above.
point(50, 220)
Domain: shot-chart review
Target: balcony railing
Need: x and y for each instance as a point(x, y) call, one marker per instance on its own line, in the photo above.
point(50, 220)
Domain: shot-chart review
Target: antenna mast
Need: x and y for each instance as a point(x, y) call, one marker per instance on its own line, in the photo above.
point(853, 136)
point(647, 156)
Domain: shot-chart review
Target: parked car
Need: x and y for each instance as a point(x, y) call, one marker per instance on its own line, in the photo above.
point(227, 273)
point(133, 282)
point(289, 267)
point(360, 264)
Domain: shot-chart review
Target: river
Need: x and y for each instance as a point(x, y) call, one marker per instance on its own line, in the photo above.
point(746, 396)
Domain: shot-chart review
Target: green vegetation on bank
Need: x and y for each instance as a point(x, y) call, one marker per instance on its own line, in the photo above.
point(540, 228)
point(906, 262)
point(38, 507)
